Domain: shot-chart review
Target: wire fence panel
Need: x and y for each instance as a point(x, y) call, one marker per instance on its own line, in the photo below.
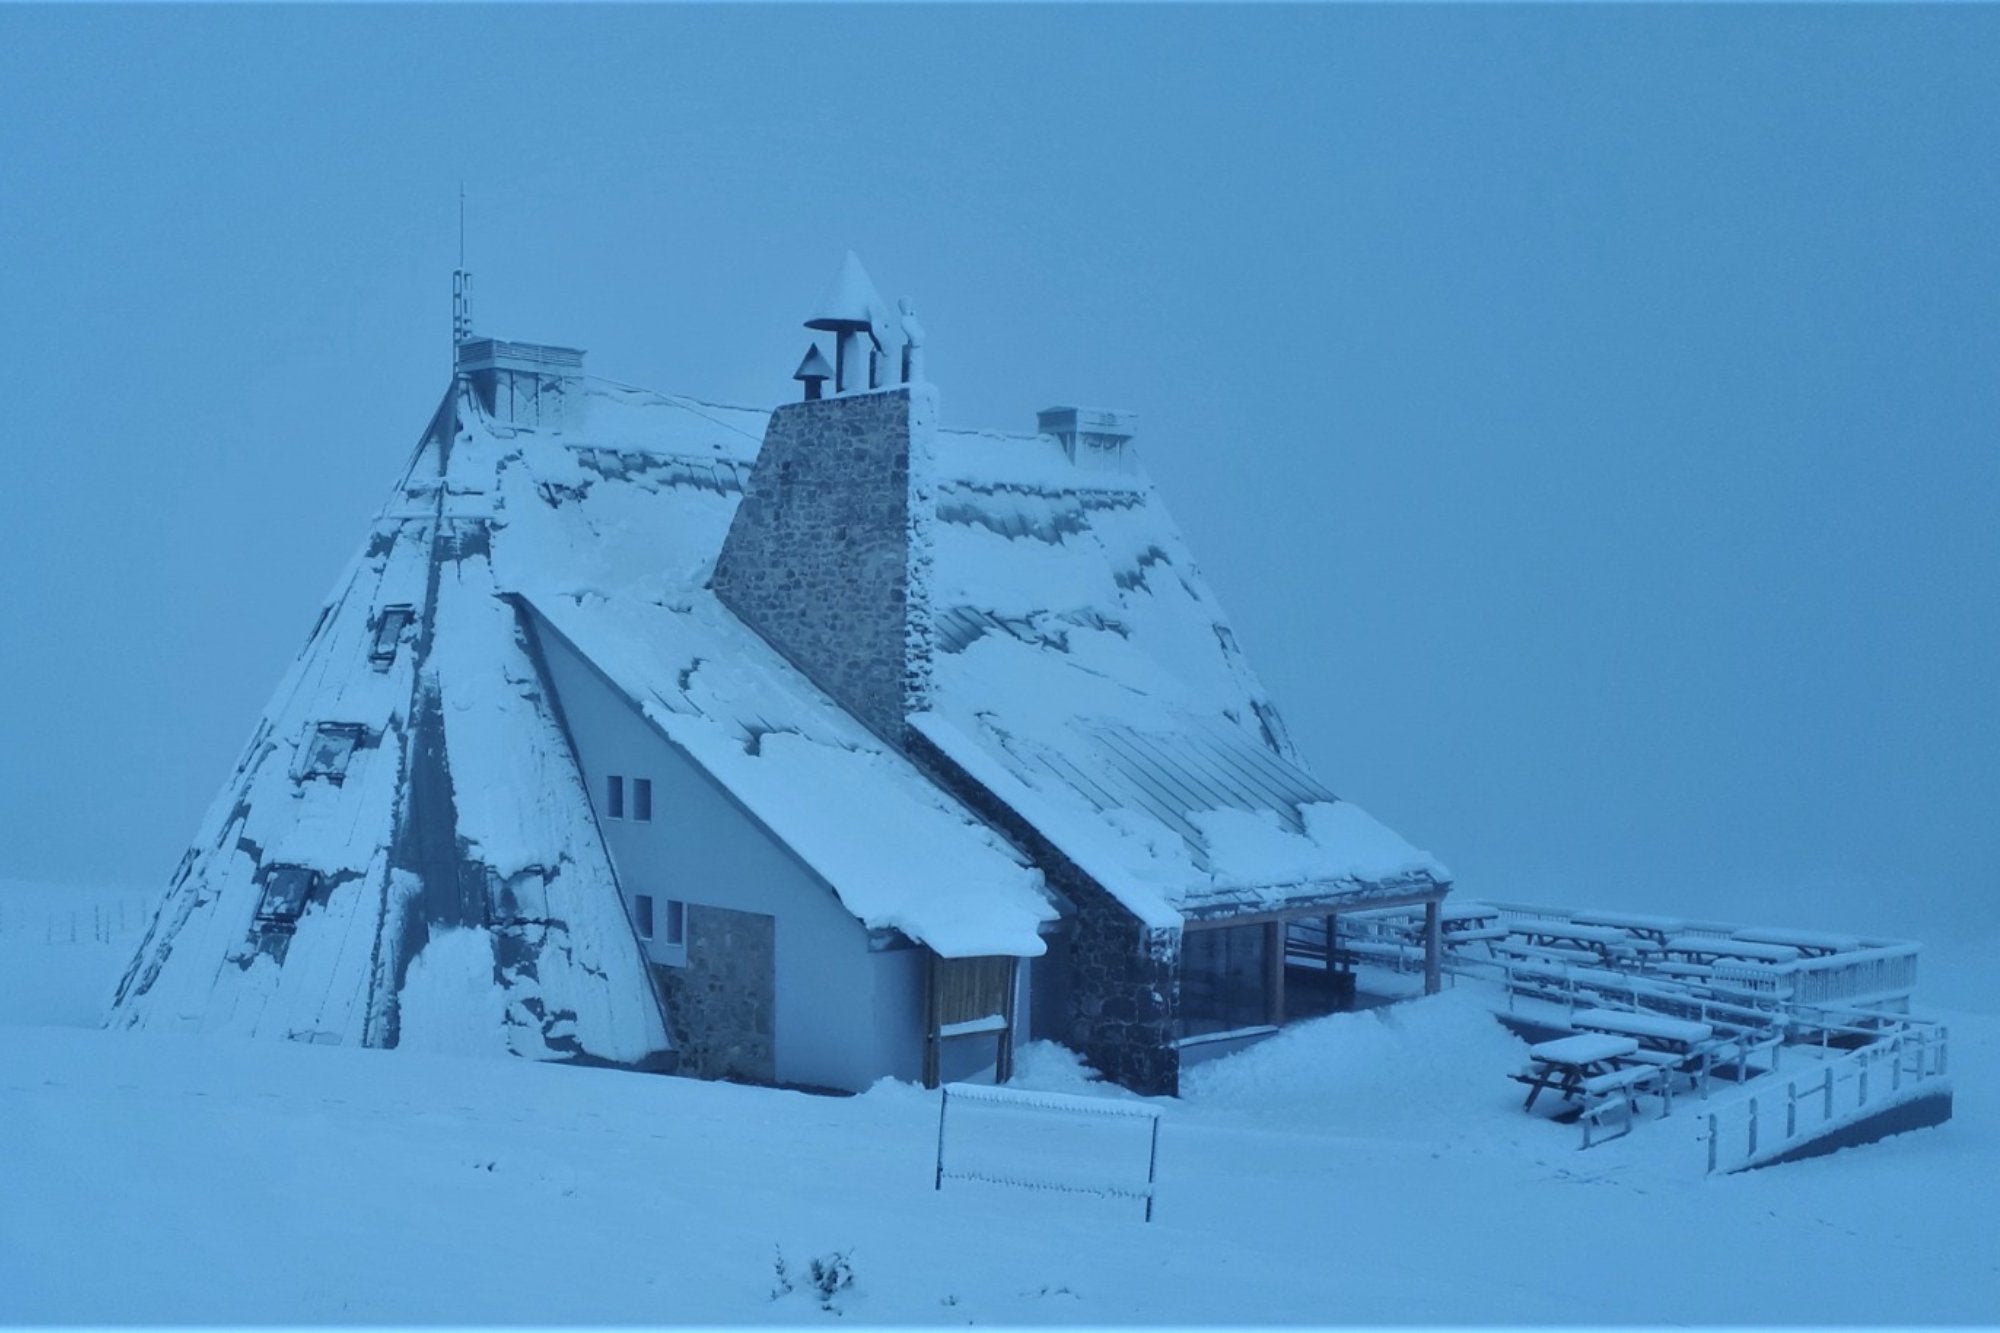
point(1048, 1141)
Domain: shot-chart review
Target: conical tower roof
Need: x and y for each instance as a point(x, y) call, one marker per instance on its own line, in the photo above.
point(405, 853)
point(850, 302)
point(813, 366)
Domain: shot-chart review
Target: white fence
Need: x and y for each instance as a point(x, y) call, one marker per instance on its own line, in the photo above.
point(1840, 1091)
point(1048, 1141)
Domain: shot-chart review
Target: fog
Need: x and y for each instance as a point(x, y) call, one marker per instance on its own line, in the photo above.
point(1587, 417)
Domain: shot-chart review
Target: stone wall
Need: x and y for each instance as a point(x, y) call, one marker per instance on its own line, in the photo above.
point(828, 552)
point(722, 1003)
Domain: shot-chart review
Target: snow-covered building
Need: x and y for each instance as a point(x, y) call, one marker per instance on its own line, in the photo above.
point(806, 746)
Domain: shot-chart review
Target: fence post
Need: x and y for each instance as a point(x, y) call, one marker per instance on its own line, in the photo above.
point(1791, 1110)
point(944, 1099)
point(1896, 1065)
point(1711, 1143)
point(1152, 1168)
point(1753, 1126)
point(1862, 1098)
point(1826, 1114)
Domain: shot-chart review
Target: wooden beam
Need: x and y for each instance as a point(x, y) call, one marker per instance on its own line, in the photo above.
point(1433, 947)
point(1274, 946)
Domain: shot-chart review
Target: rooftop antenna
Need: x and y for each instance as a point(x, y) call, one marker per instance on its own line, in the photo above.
point(461, 286)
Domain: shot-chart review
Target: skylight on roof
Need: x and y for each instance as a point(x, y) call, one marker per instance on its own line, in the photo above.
point(328, 751)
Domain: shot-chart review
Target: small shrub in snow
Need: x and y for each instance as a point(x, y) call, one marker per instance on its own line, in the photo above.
point(826, 1277)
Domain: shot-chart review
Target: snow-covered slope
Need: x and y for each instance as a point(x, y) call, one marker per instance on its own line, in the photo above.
point(1363, 1169)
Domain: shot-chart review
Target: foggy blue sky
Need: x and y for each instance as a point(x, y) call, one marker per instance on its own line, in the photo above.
point(1588, 418)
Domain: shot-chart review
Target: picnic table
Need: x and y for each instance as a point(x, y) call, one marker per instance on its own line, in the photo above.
point(1683, 1045)
point(1603, 942)
point(1658, 929)
point(1579, 1066)
point(1811, 943)
point(1709, 948)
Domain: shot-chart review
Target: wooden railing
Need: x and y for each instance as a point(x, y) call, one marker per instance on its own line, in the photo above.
point(1842, 1090)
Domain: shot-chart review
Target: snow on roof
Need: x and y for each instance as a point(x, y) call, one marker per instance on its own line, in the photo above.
point(850, 301)
point(1087, 677)
point(609, 534)
point(346, 842)
point(1084, 675)
point(900, 853)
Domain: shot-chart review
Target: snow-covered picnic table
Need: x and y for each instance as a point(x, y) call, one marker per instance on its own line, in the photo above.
point(1606, 943)
point(1656, 1032)
point(1578, 1066)
point(1708, 948)
point(1658, 929)
point(1811, 943)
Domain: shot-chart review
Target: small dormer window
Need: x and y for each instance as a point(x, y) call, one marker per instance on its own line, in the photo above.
point(642, 798)
point(286, 892)
point(614, 797)
point(328, 750)
point(389, 627)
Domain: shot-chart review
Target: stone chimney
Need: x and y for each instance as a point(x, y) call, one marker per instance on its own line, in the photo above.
point(828, 557)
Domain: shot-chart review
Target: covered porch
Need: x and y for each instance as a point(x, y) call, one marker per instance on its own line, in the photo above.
point(1244, 977)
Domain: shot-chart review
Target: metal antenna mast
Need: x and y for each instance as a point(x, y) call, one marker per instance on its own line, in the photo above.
point(461, 286)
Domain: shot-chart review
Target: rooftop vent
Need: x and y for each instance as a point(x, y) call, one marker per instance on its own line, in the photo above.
point(526, 384)
point(1093, 437)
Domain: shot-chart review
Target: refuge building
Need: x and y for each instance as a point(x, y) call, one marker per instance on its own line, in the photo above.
point(805, 746)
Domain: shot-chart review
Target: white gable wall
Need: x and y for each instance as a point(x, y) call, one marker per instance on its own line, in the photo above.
point(844, 1015)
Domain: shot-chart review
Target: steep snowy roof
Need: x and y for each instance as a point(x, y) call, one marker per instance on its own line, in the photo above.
point(406, 827)
point(1087, 677)
point(899, 853)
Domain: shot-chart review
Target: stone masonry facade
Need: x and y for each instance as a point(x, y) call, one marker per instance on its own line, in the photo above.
point(722, 1004)
point(828, 552)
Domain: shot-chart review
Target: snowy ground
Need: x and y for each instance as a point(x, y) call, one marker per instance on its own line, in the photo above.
point(1370, 1168)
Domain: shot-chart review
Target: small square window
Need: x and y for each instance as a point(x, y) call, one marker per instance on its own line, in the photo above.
point(614, 797)
point(286, 890)
point(642, 798)
point(328, 750)
point(642, 914)
point(676, 922)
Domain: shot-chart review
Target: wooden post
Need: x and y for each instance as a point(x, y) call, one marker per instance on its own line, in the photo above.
point(931, 1039)
point(944, 1098)
point(1003, 1061)
point(1433, 945)
point(1274, 945)
point(1152, 1167)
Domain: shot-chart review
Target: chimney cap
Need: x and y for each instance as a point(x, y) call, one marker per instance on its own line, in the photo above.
point(814, 367)
point(850, 303)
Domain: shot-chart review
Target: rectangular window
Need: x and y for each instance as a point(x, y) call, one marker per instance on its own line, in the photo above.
point(642, 798)
point(676, 921)
point(1225, 979)
point(642, 914)
point(328, 750)
point(389, 627)
point(614, 797)
point(286, 891)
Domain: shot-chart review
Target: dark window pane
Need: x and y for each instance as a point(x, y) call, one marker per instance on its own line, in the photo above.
point(642, 913)
point(676, 921)
point(1225, 979)
point(614, 797)
point(389, 627)
point(642, 798)
point(328, 750)
point(286, 889)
